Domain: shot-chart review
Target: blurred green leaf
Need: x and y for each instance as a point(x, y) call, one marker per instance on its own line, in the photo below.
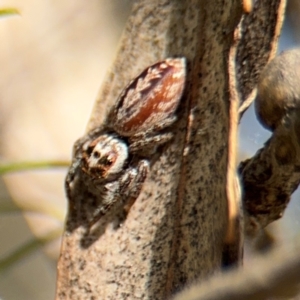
point(31, 165)
point(4, 12)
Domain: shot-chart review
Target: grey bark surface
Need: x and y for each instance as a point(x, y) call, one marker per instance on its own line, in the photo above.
point(260, 31)
point(272, 175)
point(174, 232)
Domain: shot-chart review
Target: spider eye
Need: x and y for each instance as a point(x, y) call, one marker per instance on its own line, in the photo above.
point(96, 154)
point(107, 161)
point(89, 150)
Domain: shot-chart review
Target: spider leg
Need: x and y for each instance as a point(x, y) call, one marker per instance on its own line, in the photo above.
point(126, 190)
point(148, 145)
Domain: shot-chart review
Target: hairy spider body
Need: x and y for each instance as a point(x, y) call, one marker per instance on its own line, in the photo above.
point(111, 163)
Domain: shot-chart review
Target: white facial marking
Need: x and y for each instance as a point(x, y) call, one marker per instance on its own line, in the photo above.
point(114, 149)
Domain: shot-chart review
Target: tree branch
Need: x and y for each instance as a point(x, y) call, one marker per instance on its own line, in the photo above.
point(273, 275)
point(174, 232)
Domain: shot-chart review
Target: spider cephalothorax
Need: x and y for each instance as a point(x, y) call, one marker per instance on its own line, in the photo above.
point(104, 157)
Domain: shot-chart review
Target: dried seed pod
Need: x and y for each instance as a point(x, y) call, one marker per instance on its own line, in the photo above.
point(278, 89)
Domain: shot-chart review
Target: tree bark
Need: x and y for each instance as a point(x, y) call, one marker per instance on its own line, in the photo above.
point(175, 231)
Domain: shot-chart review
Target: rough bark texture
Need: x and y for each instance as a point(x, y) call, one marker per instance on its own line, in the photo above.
point(260, 31)
point(272, 175)
point(256, 39)
point(175, 230)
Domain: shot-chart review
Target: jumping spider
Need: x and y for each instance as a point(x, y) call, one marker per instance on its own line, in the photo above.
point(111, 163)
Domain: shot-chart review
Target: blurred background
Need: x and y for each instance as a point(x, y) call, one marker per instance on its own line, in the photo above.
point(53, 57)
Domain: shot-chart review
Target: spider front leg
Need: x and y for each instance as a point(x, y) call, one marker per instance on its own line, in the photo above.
point(125, 190)
point(131, 183)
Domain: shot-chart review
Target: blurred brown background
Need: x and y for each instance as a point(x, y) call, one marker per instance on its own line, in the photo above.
point(53, 58)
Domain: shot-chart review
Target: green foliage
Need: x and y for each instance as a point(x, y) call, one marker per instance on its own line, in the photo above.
point(4, 12)
point(31, 165)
